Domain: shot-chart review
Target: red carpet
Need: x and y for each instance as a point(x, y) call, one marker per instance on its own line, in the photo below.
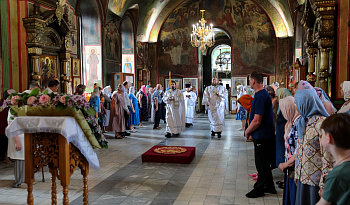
point(182, 158)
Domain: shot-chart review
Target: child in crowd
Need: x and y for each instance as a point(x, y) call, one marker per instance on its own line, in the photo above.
point(335, 139)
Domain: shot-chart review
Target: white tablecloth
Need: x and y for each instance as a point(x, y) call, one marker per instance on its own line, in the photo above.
point(66, 126)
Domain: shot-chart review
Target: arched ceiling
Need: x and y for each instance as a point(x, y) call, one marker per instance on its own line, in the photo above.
point(153, 13)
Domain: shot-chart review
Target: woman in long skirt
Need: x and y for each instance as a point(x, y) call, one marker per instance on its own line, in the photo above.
point(117, 119)
point(134, 117)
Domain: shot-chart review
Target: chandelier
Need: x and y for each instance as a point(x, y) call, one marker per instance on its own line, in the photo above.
point(202, 35)
point(223, 62)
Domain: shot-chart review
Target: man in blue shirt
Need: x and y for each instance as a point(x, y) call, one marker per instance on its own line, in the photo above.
point(260, 130)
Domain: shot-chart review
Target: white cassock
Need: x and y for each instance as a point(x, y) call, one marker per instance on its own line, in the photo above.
point(190, 105)
point(175, 111)
point(215, 95)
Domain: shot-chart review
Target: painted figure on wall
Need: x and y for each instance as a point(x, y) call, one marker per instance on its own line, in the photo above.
point(117, 6)
point(93, 61)
point(91, 27)
point(253, 38)
point(47, 69)
point(127, 37)
point(112, 46)
point(76, 69)
point(127, 68)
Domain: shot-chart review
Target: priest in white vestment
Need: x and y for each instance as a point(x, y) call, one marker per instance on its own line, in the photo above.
point(190, 102)
point(214, 98)
point(175, 111)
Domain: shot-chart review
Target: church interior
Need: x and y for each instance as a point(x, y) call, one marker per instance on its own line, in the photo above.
point(150, 42)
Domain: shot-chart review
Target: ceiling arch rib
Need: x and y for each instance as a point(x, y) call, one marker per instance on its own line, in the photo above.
point(278, 14)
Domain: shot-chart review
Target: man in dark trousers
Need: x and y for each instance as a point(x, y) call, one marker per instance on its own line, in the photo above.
point(157, 99)
point(260, 130)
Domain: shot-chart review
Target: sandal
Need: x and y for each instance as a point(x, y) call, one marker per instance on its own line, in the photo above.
point(133, 130)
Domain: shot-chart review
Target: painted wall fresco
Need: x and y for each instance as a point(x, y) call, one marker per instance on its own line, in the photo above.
point(112, 42)
point(127, 36)
point(91, 24)
point(93, 66)
point(252, 34)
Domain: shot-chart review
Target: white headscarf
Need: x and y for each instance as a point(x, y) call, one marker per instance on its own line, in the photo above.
point(346, 90)
point(96, 92)
point(132, 90)
point(107, 91)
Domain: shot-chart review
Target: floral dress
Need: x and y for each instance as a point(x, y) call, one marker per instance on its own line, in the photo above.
point(312, 163)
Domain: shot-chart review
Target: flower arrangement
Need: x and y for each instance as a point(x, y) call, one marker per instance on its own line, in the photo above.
point(34, 103)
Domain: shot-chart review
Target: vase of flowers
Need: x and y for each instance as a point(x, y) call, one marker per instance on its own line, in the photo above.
point(45, 104)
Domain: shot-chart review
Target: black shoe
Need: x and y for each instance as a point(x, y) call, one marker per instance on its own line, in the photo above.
point(281, 186)
point(255, 194)
point(212, 133)
point(122, 134)
point(126, 134)
point(188, 125)
point(191, 124)
point(279, 182)
point(176, 135)
point(270, 190)
point(168, 135)
point(219, 135)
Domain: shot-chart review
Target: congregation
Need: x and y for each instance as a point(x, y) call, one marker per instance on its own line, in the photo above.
point(300, 134)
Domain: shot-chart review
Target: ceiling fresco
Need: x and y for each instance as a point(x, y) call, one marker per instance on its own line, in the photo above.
point(153, 13)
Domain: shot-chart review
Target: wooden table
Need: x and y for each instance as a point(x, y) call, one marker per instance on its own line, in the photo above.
point(62, 158)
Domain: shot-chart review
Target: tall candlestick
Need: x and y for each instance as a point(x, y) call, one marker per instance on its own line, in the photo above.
point(169, 79)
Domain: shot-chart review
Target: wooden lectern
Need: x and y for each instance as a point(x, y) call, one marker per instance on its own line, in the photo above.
point(62, 158)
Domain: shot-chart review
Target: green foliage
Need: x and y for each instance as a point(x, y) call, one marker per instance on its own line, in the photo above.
point(34, 92)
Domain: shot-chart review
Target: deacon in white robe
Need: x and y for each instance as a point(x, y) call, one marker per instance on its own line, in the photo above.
point(190, 102)
point(214, 97)
point(175, 111)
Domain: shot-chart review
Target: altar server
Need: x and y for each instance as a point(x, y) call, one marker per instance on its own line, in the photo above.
point(190, 101)
point(214, 98)
point(175, 111)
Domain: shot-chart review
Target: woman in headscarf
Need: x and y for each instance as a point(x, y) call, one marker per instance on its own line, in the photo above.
point(326, 101)
point(345, 91)
point(143, 102)
point(134, 117)
point(304, 85)
point(280, 121)
point(312, 162)
point(149, 95)
point(246, 102)
point(242, 113)
point(107, 94)
point(271, 91)
point(117, 119)
point(95, 100)
point(291, 114)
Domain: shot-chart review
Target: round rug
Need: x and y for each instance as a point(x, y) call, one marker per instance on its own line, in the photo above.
point(170, 150)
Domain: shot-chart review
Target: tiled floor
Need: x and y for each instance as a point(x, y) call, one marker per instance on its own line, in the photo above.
point(217, 175)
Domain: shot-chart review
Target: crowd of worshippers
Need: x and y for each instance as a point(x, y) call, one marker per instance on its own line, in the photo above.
point(116, 112)
point(303, 135)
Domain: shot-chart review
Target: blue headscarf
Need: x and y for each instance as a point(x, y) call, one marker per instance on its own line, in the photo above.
point(309, 105)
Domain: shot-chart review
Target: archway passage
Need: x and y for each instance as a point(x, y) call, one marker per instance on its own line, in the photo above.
point(221, 64)
point(211, 65)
